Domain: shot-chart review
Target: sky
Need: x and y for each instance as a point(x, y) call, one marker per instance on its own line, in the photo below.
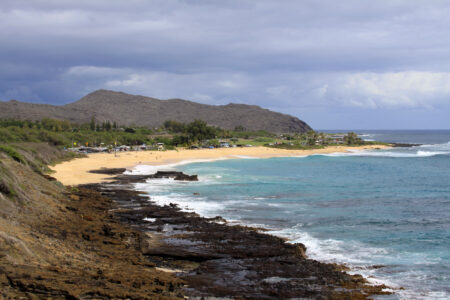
point(350, 64)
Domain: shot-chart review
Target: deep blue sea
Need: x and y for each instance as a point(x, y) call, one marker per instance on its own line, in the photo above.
point(389, 208)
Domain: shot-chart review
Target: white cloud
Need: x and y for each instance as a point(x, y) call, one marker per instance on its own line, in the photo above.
point(391, 90)
point(93, 71)
point(228, 84)
point(214, 88)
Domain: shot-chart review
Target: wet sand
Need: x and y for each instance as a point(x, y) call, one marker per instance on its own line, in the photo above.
point(76, 171)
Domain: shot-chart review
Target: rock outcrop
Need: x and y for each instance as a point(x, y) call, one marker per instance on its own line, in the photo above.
point(128, 178)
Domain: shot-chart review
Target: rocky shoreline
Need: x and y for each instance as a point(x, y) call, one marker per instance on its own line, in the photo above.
point(404, 145)
point(81, 252)
point(216, 259)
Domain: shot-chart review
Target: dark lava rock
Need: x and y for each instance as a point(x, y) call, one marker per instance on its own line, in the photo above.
point(184, 177)
point(219, 260)
point(48, 177)
point(176, 175)
point(71, 208)
point(4, 189)
point(109, 171)
point(126, 179)
point(107, 231)
point(404, 145)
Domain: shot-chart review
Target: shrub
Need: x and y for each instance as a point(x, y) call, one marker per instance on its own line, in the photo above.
point(12, 153)
point(263, 140)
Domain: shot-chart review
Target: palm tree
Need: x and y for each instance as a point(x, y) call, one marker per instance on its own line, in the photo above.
point(312, 137)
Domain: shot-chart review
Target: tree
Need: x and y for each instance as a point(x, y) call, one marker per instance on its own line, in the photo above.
point(214, 143)
point(352, 138)
point(198, 130)
point(65, 125)
point(174, 126)
point(92, 124)
point(179, 140)
point(323, 138)
point(311, 137)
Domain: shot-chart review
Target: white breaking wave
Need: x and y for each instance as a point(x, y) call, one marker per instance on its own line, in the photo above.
point(432, 153)
point(367, 137)
point(359, 257)
point(417, 151)
point(331, 250)
point(189, 204)
point(443, 145)
point(156, 185)
point(160, 192)
point(144, 169)
point(147, 169)
point(399, 154)
point(245, 157)
point(440, 148)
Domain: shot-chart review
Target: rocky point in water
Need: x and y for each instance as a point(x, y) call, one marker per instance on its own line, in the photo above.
point(180, 176)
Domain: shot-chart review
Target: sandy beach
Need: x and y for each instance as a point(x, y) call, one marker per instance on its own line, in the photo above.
point(76, 171)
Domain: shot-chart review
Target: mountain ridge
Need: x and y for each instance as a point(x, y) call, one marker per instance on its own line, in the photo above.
point(127, 109)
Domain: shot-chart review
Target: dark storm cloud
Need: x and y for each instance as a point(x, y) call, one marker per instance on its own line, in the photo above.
point(300, 57)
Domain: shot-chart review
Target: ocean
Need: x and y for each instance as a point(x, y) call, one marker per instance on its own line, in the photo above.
point(384, 213)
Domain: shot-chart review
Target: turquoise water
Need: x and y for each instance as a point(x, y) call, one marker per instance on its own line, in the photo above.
point(384, 207)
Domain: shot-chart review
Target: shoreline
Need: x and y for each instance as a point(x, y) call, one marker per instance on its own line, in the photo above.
point(211, 255)
point(388, 287)
point(76, 171)
point(84, 165)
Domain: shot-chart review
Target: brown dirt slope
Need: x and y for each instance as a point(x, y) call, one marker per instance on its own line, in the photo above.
point(126, 109)
point(65, 244)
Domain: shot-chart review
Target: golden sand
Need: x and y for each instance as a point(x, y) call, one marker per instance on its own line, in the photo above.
point(75, 172)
